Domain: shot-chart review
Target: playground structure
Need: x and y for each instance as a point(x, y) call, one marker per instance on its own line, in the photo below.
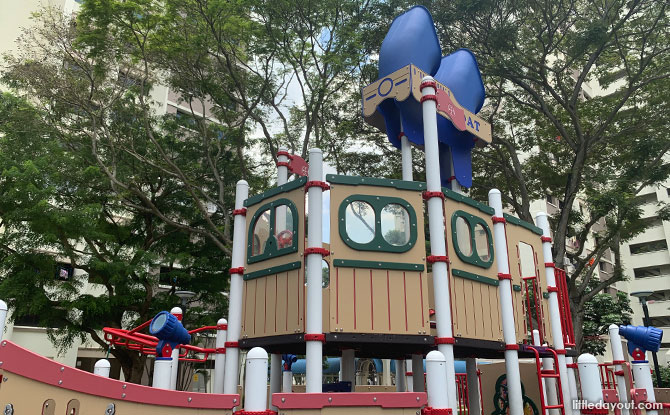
point(480, 284)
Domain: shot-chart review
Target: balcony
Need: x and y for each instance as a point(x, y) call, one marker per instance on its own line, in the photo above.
point(647, 259)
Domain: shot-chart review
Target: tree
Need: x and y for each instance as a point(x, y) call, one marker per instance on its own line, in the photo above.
point(599, 312)
point(552, 135)
point(56, 206)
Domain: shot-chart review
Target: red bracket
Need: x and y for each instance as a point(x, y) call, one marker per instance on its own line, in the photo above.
point(561, 351)
point(401, 135)
point(572, 366)
point(549, 265)
point(283, 164)
point(316, 183)
point(504, 276)
point(242, 211)
point(511, 347)
point(229, 345)
point(429, 97)
point(552, 289)
point(545, 238)
point(618, 362)
point(498, 219)
point(283, 153)
point(450, 179)
point(435, 411)
point(319, 337)
point(222, 327)
point(409, 373)
point(238, 270)
point(444, 340)
point(322, 251)
point(427, 195)
point(426, 84)
point(431, 259)
point(221, 350)
point(266, 412)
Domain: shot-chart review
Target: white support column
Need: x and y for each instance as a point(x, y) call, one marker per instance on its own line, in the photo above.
point(589, 378)
point(3, 318)
point(102, 368)
point(179, 313)
point(400, 380)
point(220, 357)
point(255, 382)
point(276, 375)
point(554, 311)
point(572, 379)
point(386, 365)
point(642, 377)
point(162, 371)
point(506, 308)
point(438, 249)
point(436, 378)
point(231, 375)
point(474, 403)
point(406, 156)
point(314, 348)
point(348, 367)
point(417, 373)
point(409, 375)
point(618, 359)
point(287, 381)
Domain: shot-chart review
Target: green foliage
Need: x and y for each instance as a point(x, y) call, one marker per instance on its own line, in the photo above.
point(665, 377)
point(599, 312)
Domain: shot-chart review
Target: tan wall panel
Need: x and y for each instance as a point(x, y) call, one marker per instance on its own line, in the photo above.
point(15, 391)
point(363, 300)
point(417, 316)
point(380, 300)
point(281, 313)
point(342, 304)
point(398, 298)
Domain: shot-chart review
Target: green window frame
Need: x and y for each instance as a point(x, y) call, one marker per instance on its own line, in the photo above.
point(378, 243)
point(472, 221)
point(271, 248)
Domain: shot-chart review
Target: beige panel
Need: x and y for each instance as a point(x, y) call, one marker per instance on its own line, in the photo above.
point(473, 303)
point(281, 313)
point(14, 391)
point(417, 317)
point(342, 308)
point(362, 299)
point(380, 300)
point(398, 298)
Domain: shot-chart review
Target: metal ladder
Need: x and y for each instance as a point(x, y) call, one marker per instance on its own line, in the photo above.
point(548, 374)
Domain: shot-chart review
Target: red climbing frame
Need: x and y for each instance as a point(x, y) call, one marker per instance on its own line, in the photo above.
point(134, 340)
point(564, 308)
point(533, 300)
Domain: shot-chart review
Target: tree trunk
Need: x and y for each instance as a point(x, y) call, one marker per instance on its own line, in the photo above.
point(132, 364)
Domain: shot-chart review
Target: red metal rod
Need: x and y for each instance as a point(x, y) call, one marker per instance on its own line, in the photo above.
point(201, 329)
point(140, 327)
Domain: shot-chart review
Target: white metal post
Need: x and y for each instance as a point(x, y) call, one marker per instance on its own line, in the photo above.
point(314, 348)
point(102, 368)
point(506, 308)
point(255, 382)
point(417, 373)
point(437, 243)
point(231, 374)
point(287, 381)
point(275, 376)
point(3, 318)
point(409, 375)
point(589, 378)
point(436, 379)
point(618, 359)
point(400, 379)
point(474, 403)
point(162, 371)
point(554, 311)
point(406, 157)
point(386, 380)
point(642, 377)
point(179, 313)
point(572, 379)
point(220, 357)
point(348, 367)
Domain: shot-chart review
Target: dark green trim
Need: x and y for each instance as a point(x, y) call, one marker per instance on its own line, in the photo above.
point(516, 288)
point(474, 277)
point(294, 184)
point(399, 266)
point(545, 295)
point(516, 221)
point(271, 249)
point(378, 243)
point(272, 270)
point(373, 181)
point(472, 221)
point(470, 202)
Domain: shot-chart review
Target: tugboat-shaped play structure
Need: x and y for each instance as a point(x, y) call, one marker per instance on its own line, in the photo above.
point(411, 270)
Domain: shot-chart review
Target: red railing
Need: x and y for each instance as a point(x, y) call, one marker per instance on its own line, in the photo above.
point(564, 307)
point(144, 343)
point(532, 295)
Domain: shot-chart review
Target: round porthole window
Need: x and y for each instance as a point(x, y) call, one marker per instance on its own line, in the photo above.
point(482, 243)
point(395, 224)
point(463, 236)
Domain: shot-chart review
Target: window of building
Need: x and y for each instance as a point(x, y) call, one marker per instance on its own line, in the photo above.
point(652, 222)
point(652, 246)
point(660, 321)
point(644, 199)
point(647, 272)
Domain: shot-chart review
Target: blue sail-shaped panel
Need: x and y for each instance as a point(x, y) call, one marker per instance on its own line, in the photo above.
point(460, 73)
point(411, 39)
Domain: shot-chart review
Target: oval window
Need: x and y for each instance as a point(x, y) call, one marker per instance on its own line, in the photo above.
point(482, 243)
point(395, 224)
point(261, 233)
point(463, 236)
point(283, 226)
point(360, 220)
